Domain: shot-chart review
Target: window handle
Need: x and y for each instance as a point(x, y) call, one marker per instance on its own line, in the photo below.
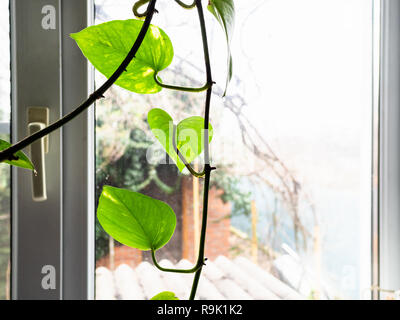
point(38, 119)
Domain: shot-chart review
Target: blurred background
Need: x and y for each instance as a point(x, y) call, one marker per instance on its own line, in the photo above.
point(292, 143)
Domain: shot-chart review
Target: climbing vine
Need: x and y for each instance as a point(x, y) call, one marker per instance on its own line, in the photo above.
point(132, 218)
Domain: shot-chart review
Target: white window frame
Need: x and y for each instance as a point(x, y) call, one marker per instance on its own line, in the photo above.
point(388, 220)
point(59, 231)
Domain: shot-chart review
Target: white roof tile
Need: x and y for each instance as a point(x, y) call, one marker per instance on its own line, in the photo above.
point(174, 281)
point(244, 280)
point(222, 279)
point(279, 288)
point(105, 288)
point(127, 283)
point(231, 290)
point(212, 272)
point(150, 279)
point(206, 289)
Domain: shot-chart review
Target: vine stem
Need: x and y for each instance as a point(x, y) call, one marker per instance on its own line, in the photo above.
point(207, 167)
point(179, 88)
point(186, 6)
point(9, 153)
point(194, 269)
point(188, 166)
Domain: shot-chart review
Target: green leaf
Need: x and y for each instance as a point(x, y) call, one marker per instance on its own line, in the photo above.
point(23, 161)
point(165, 295)
point(189, 136)
point(224, 12)
point(134, 219)
point(106, 45)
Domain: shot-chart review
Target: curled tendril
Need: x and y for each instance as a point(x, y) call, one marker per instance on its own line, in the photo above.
point(140, 3)
point(188, 166)
point(136, 7)
point(186, 6)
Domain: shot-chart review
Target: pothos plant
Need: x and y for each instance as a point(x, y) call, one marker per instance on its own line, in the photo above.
point(132, 218)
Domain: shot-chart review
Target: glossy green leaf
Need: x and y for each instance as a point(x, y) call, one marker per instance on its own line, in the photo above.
point(106, 45)
point(134, 219)
point(165, 295)
point(189, 136)
point(224, 12)
point(23, 161)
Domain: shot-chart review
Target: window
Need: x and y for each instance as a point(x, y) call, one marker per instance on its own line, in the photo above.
point(304, 202)
point(52, 242)
point(292, 194)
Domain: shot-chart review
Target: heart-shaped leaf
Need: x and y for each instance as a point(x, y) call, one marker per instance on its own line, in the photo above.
point(224, 12)
point(23, 161)
point(106, 45)
point(189, 137)
point(165, 295)
point(134, 219)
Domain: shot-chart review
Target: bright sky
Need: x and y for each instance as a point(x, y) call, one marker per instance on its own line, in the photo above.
point(305, 70)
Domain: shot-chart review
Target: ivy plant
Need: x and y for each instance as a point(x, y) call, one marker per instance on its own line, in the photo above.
point(187, 136)
point(131, 53)
point(20, 159)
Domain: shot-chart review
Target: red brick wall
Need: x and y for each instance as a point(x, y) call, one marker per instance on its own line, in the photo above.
point(122, 255)
point(217, 238)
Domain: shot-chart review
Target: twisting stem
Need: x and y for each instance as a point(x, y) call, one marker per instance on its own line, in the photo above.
point(186, 6)
point(207, 167)
point(188, 166)
point(203, 232)
point(136, 7)
point(198, 265)
point(99, 93)
point(186, 89)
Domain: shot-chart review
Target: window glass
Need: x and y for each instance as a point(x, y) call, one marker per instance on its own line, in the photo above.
point(290, 200)
point(4, 169)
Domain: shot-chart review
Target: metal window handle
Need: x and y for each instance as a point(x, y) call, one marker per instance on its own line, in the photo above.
point(37, 120)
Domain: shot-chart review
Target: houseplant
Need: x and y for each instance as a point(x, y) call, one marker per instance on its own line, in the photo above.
point(129, 217)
